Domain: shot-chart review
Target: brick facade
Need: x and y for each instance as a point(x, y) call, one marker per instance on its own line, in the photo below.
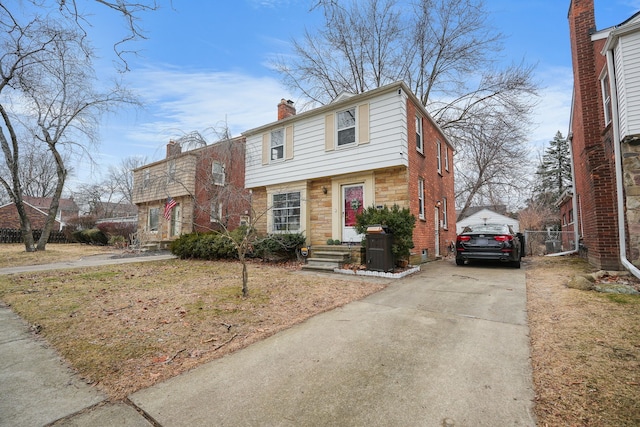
point(593, 154)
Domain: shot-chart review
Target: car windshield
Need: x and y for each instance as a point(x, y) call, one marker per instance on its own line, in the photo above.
point(486, 228)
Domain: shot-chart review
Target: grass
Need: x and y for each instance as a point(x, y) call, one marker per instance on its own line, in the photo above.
point(125, 327)
point(14, 254)
point(585, 349)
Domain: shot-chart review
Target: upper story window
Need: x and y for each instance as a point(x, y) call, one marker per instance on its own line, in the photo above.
point(171, 171)
point(277, 144)
point(346, 127)
point(218, 173)
point(446, 158)
point(146, 178)
point(421, 198)
point(439, 156)
point(606, 97)
point(419, 133)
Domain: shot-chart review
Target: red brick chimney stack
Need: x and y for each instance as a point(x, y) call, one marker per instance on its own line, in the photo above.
point(173, 149)
point(286, 109)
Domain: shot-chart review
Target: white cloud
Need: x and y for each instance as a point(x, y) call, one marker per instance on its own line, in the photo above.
point(552, 113)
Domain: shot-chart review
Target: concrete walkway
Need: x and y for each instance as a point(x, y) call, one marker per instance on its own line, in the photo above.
point(445, 347)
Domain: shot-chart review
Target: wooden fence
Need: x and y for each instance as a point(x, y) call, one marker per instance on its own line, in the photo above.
point(14, 235)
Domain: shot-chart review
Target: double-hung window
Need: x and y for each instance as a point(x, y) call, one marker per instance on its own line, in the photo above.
point(445, 223)
point(217, 173)
point(277, 144)
point(446, 158)
point(421, 198)
point(146, 178)
point(439, 156)
point(606, 97)
point(154, 219)
point(215, 214)
point(346, 127)
point(419, 134)
point(286, 212)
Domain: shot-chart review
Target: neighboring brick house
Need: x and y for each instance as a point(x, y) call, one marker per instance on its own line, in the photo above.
point(313, 172)
point(37, 210)
point(605, 126)
point(206, 183)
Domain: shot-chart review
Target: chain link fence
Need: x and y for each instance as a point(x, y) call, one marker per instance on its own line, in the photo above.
point(548, 242)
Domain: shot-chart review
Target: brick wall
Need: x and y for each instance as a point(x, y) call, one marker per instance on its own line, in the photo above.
point(9, 218)
point(591, 142)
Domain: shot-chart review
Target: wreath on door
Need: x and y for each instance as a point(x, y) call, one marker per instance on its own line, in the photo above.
point(355, 204)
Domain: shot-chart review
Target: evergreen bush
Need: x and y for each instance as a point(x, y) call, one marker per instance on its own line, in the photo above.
point(401, 223)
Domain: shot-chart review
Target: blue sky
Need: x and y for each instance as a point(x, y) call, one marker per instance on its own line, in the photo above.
point(206, 62)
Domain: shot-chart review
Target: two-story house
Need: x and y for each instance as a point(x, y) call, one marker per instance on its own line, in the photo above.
point(313, 172)
point(206, 184)
point(604, 133)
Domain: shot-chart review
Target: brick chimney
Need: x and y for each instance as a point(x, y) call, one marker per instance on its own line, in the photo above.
point(173, 149)
point(286, 109)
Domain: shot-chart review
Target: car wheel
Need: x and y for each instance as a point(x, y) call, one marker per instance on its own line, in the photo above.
point(459, 261)
point(515, 264)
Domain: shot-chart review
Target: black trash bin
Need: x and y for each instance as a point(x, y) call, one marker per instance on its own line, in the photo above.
point(379, 255)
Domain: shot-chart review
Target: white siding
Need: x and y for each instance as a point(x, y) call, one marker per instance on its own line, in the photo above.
point(627, 63)
point(387, 145)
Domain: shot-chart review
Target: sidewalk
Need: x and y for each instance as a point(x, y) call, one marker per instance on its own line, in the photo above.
point(448, 346)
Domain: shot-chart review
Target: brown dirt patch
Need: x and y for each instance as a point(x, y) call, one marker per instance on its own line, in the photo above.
point(126, 327)
point(585, 349)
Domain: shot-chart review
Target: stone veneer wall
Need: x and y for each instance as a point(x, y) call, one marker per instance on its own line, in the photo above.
point(319, 212)
point(392, 187)
point(631, 180)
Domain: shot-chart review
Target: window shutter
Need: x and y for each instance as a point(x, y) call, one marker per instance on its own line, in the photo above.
point(329, 133)
point(265, 149)
point(363, 124)
point(288, 143)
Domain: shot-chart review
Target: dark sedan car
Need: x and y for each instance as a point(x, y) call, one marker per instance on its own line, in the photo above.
point(497, 242)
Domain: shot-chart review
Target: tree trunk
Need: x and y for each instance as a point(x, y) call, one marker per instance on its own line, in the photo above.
point(55, 200)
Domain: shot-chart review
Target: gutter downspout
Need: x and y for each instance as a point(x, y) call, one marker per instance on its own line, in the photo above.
point(618, 160)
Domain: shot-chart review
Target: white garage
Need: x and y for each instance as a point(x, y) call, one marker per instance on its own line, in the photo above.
point(486, 216)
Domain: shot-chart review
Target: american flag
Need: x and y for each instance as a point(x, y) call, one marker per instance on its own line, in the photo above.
point(167, 208)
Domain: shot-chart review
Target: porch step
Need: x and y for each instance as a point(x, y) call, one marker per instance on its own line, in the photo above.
point(327, 257)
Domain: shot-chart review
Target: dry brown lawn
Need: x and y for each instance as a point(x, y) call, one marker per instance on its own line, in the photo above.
point(12, 255)
point(125, 327)
point(585, 349)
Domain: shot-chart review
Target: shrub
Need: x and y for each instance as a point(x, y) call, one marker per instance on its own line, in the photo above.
point(279, 247)
point(400, 222)
point(205, 246)
point(92, 236)
point(113, 229)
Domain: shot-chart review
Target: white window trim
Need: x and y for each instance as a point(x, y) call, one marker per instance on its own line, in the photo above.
point(446, 157)
point(355, 128)
point(298, 187)
point(445, 223)
point(439, 156)
point(157, 221)
point(216, 207)
point(420, 133)
point(215, 174)
point(271, 147)
point(606, 96)
point(421, 212)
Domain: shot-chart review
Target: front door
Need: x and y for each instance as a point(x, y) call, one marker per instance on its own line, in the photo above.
point(352, 205)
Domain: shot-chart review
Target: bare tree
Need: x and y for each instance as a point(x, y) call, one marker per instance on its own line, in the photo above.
point(48, 92)
point(37, 171)
point(120, 177)
point(445, 52)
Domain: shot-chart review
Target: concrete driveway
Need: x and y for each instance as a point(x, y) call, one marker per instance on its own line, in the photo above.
point(446, 347)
